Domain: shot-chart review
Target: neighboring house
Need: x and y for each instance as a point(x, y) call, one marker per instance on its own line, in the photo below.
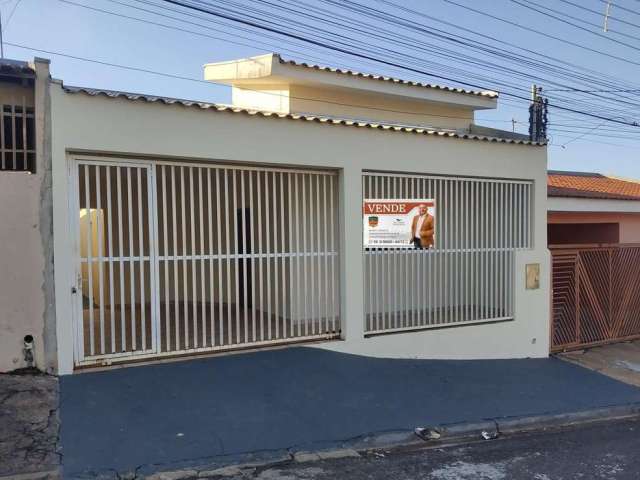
point(27, 314)
point(594, 238)
point(592, 208)
point(186, 228)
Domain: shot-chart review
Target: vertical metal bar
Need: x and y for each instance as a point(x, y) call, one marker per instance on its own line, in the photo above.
point(465, 245)
point(236, 254)
point(244, 257)
point(528, 216)
point(165, 247)
point(112, 312)
point(283, 258)
point(192, 261)
point(267, 222)
point(89, 226)
point(3, 145)
point(334, 252)
point(260, 253)
point(476, 245)
point(253, 256)
point(510, 244)
point(174, 262)
point(123, 339)
point(447, 256)
point(25, 165)
point(203, 292)
point(141, 228)
point(276, 293)
point(153, 236)
point(483, 246)
point(305, 216)
point(14, 150)
point(314, 236)
point(220, 257)
point(212, 323)
point(132, 282)
point(228, 255)
point(290, 200)
point(317, 257)
point(518, 216)
point(100, 256)
point(384, 267)
point(497, 245)
point(325, 251)
point(185, 282)
point(394, 258)
point(297, 282)
point(311, 258)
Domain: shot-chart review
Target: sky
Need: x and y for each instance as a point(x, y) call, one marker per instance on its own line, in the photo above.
point(580, 143)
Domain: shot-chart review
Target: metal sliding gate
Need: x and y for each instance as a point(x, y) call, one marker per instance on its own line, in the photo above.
point(175, 258)
point(596, 295)
point(468, 275)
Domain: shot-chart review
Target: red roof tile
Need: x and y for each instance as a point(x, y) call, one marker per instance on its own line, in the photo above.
point(591, 185)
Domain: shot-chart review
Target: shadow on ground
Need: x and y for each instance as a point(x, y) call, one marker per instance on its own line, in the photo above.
point(300, 397)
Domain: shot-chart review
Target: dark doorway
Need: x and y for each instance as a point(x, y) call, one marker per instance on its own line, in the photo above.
point(582, 233)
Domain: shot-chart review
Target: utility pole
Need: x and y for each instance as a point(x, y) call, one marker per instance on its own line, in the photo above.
point(537, 115)
point(607, 13)
point(1, 41)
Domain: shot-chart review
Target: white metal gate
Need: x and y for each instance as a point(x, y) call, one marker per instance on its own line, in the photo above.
point(176, 258)
point(467, 276)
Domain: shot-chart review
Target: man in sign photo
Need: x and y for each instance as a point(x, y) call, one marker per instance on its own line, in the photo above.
point(422, 228)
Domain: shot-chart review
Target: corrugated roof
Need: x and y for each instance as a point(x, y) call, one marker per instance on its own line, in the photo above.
point(15, 67)
point(486, 93)
point(310, 118)
point(591, 185)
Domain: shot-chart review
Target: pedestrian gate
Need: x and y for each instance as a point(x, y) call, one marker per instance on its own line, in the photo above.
point(176, 258)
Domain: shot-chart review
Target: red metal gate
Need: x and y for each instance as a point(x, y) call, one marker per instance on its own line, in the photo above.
point(596, 295)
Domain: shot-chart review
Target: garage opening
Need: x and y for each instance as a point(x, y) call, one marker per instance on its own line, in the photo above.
point(176, 258)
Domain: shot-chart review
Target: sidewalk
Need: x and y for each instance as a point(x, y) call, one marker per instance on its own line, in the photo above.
point(209, 411)
point(29, 427)
point(617, 360)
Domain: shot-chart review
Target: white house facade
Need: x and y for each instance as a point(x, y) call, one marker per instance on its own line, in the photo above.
point(183, 228)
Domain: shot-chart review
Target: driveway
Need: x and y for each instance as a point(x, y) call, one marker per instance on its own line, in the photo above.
point(617, 360)
point(176, 414)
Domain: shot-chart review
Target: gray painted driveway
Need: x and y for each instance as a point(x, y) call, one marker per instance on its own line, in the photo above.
point(299, 398)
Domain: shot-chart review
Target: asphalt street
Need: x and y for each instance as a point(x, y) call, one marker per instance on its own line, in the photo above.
point(599, 451)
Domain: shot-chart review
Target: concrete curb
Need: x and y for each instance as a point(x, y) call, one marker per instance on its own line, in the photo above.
point(227, 466)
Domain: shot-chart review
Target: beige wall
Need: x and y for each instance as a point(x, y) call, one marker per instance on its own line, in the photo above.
point(629, 222)
point(355, 104)
point(26, 240)
point(98, 126)
point(362, 105)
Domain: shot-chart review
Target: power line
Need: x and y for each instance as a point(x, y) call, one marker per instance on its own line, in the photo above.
point(599, 14)
point(369, 57)
point(261, 14)
point(635, 12)
point(591, 24)
point(619, 42)
point(547, 35)
point(208, 82)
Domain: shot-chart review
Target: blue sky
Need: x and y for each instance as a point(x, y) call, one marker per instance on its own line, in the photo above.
point(61, 27)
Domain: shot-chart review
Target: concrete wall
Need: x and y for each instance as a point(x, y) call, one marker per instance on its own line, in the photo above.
point(99, 126)
point(364, 105)
point(26, 286)
point(629, 222)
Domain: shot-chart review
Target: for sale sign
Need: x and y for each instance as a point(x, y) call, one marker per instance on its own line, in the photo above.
point(399, 223)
